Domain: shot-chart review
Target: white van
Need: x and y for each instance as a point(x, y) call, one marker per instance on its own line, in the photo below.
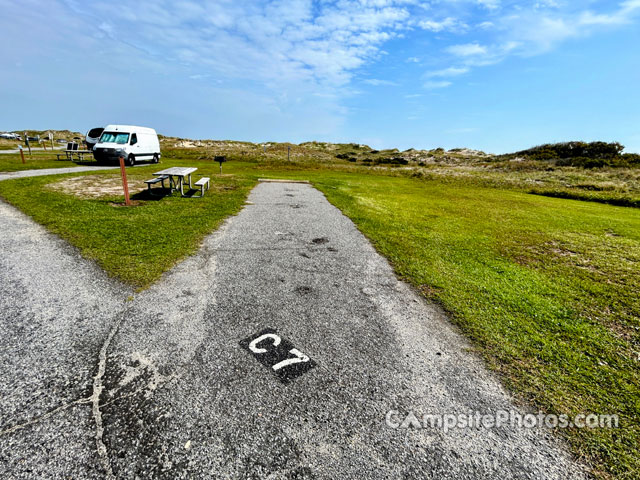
point(134, 143)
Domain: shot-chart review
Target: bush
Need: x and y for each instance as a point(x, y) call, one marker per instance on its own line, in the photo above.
point(392, 161)
point(630, 158)
point(593, 150)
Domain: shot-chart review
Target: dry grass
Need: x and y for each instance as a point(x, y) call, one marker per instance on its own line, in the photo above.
point(96, 186)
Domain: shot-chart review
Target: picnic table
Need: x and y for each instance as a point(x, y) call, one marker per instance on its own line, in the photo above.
point(177, 177)
point(68, 154)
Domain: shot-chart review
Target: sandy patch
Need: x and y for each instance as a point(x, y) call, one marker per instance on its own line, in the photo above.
point(96, 186)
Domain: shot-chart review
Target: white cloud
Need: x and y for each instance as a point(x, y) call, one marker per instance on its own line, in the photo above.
point(437, 84)
point(467, 50)
point(490, 4)
point(376, 82)
point(448, 72)
point(449, 24)
point(292, 41)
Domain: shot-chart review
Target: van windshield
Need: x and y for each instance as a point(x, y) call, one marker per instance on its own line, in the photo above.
point(120, 138)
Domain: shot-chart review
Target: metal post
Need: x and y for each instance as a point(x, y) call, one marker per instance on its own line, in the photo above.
point(26, 139)
point(21, 153)
point(125, 185)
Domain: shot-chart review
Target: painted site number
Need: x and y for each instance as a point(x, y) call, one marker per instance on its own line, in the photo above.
point(278, 354)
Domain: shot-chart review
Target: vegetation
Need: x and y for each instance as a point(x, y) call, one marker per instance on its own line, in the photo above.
point(581, 154)
point(11, 162)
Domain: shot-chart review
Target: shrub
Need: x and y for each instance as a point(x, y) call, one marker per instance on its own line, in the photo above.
point(593, 150)
point(392, 161)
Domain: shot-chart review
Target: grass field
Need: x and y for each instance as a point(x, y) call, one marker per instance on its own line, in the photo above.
point(545, 288)
point(11, 162)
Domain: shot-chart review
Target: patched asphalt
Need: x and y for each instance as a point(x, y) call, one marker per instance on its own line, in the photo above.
point(180, 381)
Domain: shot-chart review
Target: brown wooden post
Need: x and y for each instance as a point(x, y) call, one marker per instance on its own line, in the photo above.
point(22, 154)
point(125, 185)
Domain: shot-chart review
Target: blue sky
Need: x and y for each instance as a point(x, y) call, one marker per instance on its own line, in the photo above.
point(494, 75)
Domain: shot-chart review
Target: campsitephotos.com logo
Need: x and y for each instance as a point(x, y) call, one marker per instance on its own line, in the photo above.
point(499, 419)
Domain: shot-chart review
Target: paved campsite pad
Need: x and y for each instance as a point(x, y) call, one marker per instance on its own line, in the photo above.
point(182, 398)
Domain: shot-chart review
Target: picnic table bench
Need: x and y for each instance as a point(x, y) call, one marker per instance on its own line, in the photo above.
point(203, 182)
point(176, 176)
point(68, 154)
point(160, 178)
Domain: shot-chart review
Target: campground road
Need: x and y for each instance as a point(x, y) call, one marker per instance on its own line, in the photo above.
point(26, 150)
point(52, 171)
point(189, 388)
point(56, 311)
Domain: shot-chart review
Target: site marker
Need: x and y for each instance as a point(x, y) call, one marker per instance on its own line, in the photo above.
point(125, 185)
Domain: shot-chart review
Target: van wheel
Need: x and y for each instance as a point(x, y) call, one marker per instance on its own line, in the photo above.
point(131, 160)
point(155, 158)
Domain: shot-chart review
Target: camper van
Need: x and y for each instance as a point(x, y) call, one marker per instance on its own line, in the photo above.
point(92, 137)
point(131, 142)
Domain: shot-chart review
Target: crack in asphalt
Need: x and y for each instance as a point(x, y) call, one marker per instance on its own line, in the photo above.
point(103, 454)
point(45, 416)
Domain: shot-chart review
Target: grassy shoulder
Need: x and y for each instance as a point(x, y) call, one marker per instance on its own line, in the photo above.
point(11, 162)
point(544, 287)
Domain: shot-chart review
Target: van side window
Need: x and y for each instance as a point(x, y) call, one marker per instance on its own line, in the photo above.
point(134, 139)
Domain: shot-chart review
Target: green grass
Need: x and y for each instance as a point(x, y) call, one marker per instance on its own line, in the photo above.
point(11, 162)
point(545, 288)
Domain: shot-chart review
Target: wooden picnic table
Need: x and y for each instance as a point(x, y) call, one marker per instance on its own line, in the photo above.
point(176, 177)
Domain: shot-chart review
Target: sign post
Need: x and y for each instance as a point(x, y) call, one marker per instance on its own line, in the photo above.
point(26, 139)
point(21, 153)
point(125, 185)
point(51, 138)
